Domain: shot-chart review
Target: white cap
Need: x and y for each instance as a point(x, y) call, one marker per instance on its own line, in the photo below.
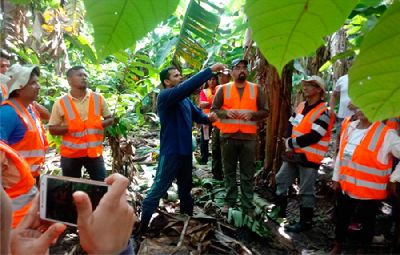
point(18, 76)
point(318, 80)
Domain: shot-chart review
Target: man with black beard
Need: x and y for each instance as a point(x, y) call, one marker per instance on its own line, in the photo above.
point(239, 105)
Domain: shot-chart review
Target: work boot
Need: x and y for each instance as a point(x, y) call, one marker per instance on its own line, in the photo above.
point(305, 222)
point(281, 202)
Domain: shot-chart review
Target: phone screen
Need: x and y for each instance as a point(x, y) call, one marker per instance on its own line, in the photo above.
point(59, 202)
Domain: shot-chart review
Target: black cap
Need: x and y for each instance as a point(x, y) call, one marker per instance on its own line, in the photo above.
point(237, 61)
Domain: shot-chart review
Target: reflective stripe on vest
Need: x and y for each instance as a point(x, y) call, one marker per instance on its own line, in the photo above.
point(375, 138)
point(363, 183)
point(320, 153)
point(24, 199)
point(90, 131)
point(239, 121)
point(32, 153)
point(96, 104)
point(80, 146)
point(23, 113)
point(320, 142)
point(68, 106)
point(317, 113)
point(364, 169)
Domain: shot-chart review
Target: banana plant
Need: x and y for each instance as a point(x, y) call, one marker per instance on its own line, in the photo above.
point(199, 27)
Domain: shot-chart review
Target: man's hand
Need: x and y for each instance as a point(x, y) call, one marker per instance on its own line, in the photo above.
point(107, 229)
point(217, 67)
point(32, 235)
point(233, 114)
point(212, 117)
point(246, 116)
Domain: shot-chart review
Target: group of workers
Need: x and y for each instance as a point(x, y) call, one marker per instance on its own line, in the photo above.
point(229, 109)
point(363, 175)
point(80, 118)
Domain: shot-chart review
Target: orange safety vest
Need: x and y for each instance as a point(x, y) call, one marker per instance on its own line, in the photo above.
point(232, 101)
point(88, 142)
point(32, 147)
point(23, 192)
point(210, 98)
point(314, 152)
point(363, 176)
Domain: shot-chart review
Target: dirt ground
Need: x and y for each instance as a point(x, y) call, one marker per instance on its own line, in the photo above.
point(318, 240)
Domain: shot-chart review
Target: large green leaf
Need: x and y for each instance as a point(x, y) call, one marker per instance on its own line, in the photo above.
point(199, 26)
point(118, 24)
point(374, 78)
point(284, 30)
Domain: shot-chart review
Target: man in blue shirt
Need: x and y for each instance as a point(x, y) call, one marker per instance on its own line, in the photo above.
point(176, 114)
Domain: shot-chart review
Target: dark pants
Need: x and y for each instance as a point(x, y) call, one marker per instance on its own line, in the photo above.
point(345, 209)
point(204, 145)
point(243, 151)
point(169, 168)
point(216, 167)
point(95, 166)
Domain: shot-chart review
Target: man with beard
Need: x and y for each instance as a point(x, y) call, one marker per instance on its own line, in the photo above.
point(239, 105)
point(80, 118)
point(20, 125)
point(308, 135)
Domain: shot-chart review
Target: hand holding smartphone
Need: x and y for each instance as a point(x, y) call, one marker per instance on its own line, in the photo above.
point(56, 202)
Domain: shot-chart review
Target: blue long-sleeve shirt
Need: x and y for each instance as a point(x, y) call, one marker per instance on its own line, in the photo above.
point(177, 113)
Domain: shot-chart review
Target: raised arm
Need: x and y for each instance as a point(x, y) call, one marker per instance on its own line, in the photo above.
point(171, 96)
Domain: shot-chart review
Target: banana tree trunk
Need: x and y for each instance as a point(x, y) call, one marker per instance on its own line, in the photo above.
point(278, 93)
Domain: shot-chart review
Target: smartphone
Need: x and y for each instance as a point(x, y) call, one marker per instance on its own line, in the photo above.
point(56, 202)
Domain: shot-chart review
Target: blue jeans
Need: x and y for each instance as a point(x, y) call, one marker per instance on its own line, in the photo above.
point(95, 166)
point(169, 168)
point(307, 177)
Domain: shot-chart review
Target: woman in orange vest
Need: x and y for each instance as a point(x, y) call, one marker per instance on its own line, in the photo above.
point(206, 97)
point(363, 174)
point(20, 125)
point(17, 182)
